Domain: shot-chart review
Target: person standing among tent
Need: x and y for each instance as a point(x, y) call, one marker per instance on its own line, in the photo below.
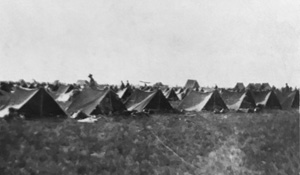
point(287, 88)
point(127, 84)
point(122, 85)
point(93, 83)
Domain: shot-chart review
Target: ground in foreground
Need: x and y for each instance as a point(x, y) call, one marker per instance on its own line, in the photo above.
point(194, 143)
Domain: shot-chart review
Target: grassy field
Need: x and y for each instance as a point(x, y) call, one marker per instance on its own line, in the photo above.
point(192, 143)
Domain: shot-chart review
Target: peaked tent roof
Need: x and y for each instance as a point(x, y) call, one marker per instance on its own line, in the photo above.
point(4, 99)
point(291, 100)
point(254, 86)
point(124, 93)
point(65, 100)
point(237, 100)
point(91, 101)
point(280, 95)
point(140, 100)
point(266, 87)
point(268, 99)
point(257, 86)
point(191, 84)
point(251, 86)
point(179, 90)
point(239, 86)
point(183, 94)
point(198, 101)
point(34, 103)
point(62, 89)
point(170, 94)
point(158, 84)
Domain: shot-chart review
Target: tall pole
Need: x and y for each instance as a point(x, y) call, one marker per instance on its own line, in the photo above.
point(41, 105)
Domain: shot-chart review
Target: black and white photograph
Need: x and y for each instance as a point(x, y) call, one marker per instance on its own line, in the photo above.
point(149, 87)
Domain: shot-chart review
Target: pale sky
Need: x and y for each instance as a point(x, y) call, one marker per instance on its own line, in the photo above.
point(213, 41)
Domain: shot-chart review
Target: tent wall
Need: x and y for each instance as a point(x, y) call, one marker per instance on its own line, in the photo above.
point(140, 100)
point(41, 105)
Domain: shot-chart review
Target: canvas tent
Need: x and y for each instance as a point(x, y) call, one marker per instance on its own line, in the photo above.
point(290, 100)
point(93, 102)
point(65, 100)
point(124, 93)
point(4, 99)
point(191, 84)
point(239, 87)
point(265, 87)
point(280, 95)
point(238, 100)
point(170, 94)
point(250, 86)
point(198, 101)
point(267, 99)
point(140, 100)
point(158, 85)
point(178, 90)
point(257, 86)
point(183, 94)
point(62, 89)
point(34, 103)
point(254, 86)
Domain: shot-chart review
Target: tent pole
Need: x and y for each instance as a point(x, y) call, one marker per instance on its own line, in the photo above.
point(159, 96)
point(41, 105)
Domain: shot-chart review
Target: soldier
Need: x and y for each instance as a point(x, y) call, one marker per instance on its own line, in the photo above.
point(287, 88)
point(93, 83)
point(127, 84)
point(122, 85)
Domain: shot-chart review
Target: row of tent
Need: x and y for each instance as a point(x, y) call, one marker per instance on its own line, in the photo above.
point(198, 101)
point(159, 99)
point(42, 102)
point(193, 84)
point(65, 102)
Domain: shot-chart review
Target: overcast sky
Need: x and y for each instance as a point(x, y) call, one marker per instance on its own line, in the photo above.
point(213, 41)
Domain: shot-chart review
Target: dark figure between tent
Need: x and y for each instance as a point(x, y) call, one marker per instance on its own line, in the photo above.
point(91, 78)
point(287, 88)
point(127, 84)
point(93, 83)
point(122, 85)
point(13, 115)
